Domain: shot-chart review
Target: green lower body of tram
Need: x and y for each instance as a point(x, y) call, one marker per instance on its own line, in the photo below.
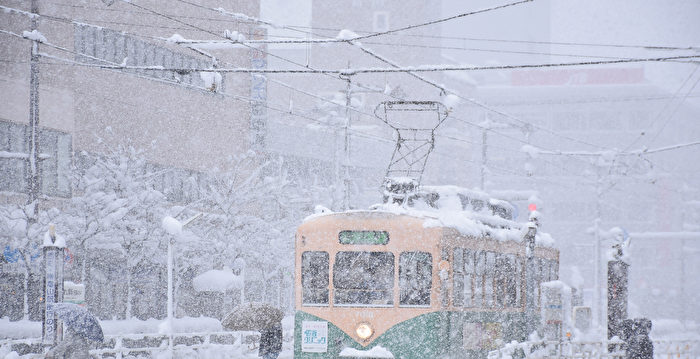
point(433, 335)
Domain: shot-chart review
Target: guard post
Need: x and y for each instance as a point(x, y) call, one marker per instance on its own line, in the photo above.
point(53, 250)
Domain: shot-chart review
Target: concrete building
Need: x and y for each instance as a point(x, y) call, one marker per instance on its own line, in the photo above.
point(185, 121)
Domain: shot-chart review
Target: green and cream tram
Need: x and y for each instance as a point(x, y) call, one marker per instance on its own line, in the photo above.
point(446, 277)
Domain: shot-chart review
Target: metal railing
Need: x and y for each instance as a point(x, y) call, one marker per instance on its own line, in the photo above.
point(237, 344)
point(612, 349)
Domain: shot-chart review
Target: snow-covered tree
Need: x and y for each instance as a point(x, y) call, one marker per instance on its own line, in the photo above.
point(115, 208)
point(23, 232)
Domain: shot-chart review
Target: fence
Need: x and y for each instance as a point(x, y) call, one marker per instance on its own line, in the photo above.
point(663, 349)
point(202, 345)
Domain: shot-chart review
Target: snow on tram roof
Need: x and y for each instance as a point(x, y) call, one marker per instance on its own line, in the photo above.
point(471, 212)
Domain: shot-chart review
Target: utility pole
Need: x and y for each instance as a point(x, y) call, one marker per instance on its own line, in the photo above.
point(33, 177)
point(346, 147)
point(597, 295)
point(483, 158)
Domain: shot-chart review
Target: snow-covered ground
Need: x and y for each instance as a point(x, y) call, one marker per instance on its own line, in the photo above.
point(136, 329)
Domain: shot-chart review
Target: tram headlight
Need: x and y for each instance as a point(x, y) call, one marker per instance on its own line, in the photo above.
point(364, 331)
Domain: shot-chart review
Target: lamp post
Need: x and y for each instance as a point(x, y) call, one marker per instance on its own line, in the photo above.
point(53, 250)
point(174, 228)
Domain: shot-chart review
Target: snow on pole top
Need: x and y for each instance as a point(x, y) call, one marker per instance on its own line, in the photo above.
point(51, 239)
point(346, 34)
point(34, 35)
point(172, 225)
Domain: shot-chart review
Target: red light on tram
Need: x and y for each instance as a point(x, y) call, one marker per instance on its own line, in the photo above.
point(532, 207)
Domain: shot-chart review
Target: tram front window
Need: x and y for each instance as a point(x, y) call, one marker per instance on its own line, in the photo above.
point(415, 278)
point(314, 278)
point(363, 278)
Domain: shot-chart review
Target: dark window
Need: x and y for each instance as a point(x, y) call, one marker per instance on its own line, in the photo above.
point(103, 46)
point(314, 278)
point(506, 281)
point(55, 153)
point(363, 278)
point(415, 278)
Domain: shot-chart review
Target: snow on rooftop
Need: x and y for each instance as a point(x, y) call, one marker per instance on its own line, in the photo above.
point(450, 212)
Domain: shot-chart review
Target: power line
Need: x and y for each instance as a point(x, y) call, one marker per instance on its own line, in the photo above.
point(648, 47)
point(370, 70)
point(439, 20)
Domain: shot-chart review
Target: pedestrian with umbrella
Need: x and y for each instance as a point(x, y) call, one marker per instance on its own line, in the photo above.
point(82, 328)
point(270, 342)
point(261, 317)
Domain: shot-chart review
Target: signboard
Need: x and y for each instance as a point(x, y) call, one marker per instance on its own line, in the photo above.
point(364, 237)
point(73, 293)
point(552, 312)
point(314, 336)
point(50, 297)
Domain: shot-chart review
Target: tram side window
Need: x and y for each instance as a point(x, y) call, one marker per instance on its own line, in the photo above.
point(505, 284)
point(363, 278)
point(464, 277)
point(479, 271)
point(489, 279)
point(415, 278)
point(519, 279)
point(314, 278)
point(538, 280)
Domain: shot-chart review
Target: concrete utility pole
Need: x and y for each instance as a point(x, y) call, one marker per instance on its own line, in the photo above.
point(346, 147)
point(34, 175)
point(483, 158)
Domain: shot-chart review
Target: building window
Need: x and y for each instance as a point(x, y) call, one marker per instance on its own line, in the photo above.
point(114, 47)
point(381, 21)
point(55, 165)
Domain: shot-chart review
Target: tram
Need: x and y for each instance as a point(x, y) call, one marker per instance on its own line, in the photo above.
point(451, 275)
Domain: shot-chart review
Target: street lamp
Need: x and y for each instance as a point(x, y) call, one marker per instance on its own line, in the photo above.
point(174, 228)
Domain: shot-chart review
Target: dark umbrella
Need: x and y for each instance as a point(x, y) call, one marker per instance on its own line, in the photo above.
point(79, 320)
point(252, 316)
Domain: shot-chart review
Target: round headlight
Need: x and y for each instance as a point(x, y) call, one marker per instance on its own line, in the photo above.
point(364, 331)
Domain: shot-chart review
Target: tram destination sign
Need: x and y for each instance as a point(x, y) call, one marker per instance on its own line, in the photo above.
point(364, 237)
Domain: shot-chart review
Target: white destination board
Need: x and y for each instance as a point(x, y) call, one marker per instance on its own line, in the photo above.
point(314, 336)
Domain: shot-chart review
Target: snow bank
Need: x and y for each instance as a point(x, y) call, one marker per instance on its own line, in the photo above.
point(19, 330)
point(376, 352)
point(217, 281)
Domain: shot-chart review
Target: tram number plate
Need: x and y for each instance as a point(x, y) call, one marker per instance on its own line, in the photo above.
point(314, 336)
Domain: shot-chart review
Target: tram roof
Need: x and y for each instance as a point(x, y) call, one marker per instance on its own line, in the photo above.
point(471, 213)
